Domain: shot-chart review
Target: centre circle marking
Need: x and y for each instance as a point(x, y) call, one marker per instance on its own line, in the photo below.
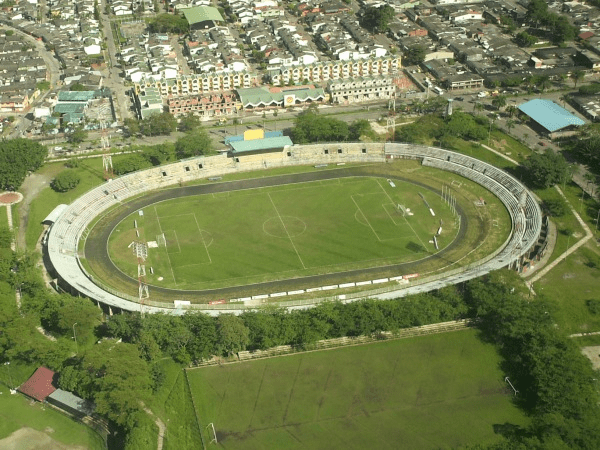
point(284, 227)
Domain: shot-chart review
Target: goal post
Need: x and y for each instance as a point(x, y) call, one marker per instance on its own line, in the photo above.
point(211, 426)
point(161, 240)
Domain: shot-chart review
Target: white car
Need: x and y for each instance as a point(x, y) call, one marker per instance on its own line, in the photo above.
point(482, 94)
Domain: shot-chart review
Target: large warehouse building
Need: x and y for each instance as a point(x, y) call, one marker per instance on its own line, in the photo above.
point(550, 118)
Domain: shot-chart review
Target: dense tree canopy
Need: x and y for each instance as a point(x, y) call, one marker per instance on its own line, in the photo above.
point(169, 23)
point(17, 157)
point(114, 376)
point(546, 169)
point(377, 19)
point(414, 55)
point(311, 127)
point(195, 143)
point(162, 124)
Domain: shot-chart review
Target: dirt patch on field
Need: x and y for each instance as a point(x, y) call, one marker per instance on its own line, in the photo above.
point(30, 439)
point(31, 187)
point(593, 353)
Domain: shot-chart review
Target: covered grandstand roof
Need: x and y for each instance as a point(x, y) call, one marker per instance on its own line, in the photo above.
point(39, 386)
point(261, 144)
point(198, 14)
point(55, 214)
point(550, 115)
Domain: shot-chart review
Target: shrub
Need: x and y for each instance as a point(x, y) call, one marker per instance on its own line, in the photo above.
point(65, 181)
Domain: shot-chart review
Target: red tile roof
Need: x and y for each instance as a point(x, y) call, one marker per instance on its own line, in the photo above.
point(39, 386)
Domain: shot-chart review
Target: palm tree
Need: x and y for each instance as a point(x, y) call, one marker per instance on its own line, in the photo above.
point(499, 102)
point(511, 110)
point(478, 106)
point(544, 82)
point(510, 124)
point(578, 75)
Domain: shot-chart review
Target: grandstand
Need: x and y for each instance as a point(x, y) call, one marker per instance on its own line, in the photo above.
point(72, 224)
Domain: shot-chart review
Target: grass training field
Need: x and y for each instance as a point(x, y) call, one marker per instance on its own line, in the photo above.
point(16, 412)
point(241, 237)
point(431, 392)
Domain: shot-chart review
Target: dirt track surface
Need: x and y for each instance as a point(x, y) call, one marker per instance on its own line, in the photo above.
point(30, 439)
point(96, 247)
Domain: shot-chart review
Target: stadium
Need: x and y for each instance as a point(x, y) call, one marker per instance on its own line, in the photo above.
point(151, 241)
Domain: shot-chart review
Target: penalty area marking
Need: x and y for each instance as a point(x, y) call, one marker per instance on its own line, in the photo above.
point(407, 222)
point(166, 251)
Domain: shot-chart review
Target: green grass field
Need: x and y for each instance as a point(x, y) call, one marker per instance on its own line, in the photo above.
point(242, 237)
point(17, 412)
point(439, 391)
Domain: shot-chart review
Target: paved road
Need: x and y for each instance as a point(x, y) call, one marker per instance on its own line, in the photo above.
point(113, 81)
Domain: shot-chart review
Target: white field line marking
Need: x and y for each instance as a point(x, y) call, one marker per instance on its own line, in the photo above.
point(166, 251)
point(177, 239)
point(366, 219)
point(407, 223)
point(286, 230)
point(202, 237)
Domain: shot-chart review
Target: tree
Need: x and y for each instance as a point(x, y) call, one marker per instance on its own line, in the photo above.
point(233, 334)
point(577, 75)
point(188, 123)
point(112, 375)
point(77, 87)
point(162, 124)
point(562, 30)
point(78, 135)
point(525, 39)
point(169, 23)
point(17, 157)
point(130, 163)
point(537, 11)
point(310, 127)
point(510, 125)
point(415, 55)
point(499, 101)
point(511, 110)
point(377, 19)
point(546, 169)
point(65, 181)
point(196, 143)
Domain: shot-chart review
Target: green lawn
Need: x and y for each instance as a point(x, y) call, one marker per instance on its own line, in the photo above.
point(3, 217)
point(570, 284)
point(90, 171)
point(16, 411)
point(440, 391)
point(240, 237)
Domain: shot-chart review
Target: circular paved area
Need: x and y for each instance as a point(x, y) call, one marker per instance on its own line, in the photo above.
point(10, 198)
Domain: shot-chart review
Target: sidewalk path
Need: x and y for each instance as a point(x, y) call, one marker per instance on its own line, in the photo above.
point(508, 158)
point(573, 248)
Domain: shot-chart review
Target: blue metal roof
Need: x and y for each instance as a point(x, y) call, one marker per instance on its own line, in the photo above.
point(550, 115)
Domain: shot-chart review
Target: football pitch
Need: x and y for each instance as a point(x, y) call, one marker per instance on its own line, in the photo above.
point(265, 234)
point(430, 392)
